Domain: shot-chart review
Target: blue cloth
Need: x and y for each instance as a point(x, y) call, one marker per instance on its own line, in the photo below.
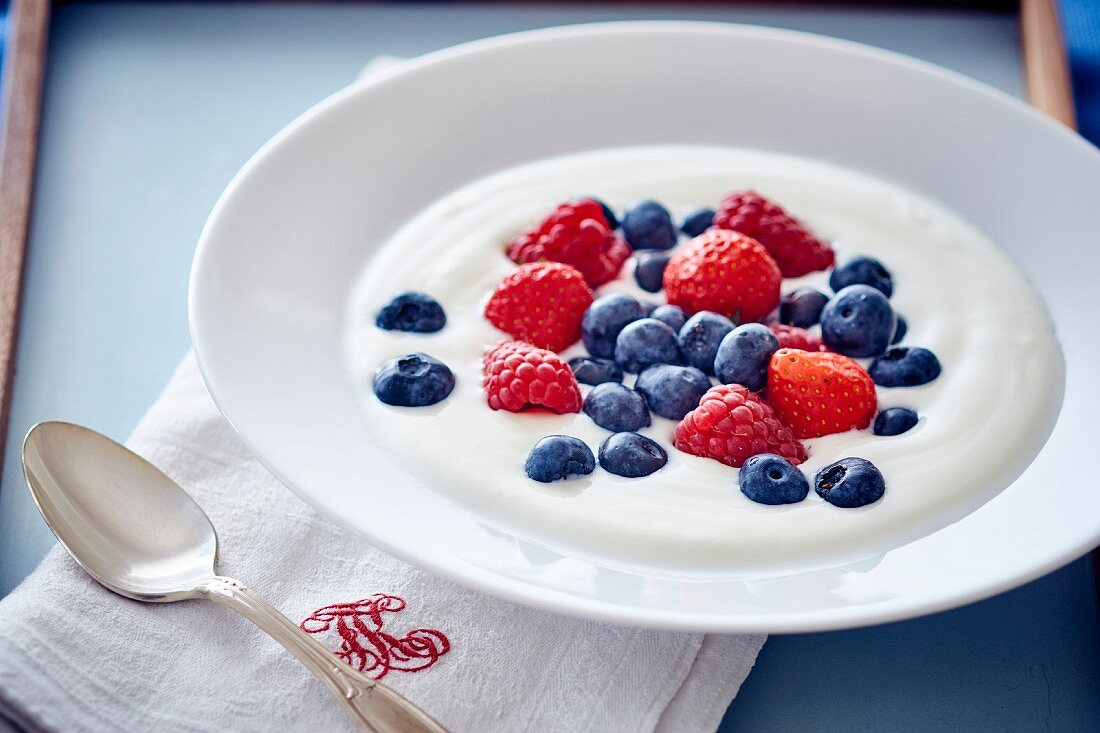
point(1081, 21)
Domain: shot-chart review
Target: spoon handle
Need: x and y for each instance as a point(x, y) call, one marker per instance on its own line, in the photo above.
point(370, 704)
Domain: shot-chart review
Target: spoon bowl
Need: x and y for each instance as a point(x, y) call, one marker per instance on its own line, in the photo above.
point(129, 526)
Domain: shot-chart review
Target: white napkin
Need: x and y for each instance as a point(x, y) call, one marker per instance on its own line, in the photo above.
point(75, 657)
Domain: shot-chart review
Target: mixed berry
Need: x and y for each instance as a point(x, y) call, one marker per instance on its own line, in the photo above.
point(793, 337)
point(592, 371)
point(414, 380)
point(646, 342)
point(617, 408)
point(697, 222)
point(558, 457)
point(746, 372)
point(673, 315)
point(672, 391)
point(648, 225)
point(770, 479)
point(732, 424)
point(743, 356)
point(793, 247)
point(700, 336)
point(902, 366)
point(577, 234)
point(862, 271)
point(631, 455)
point(542, 304)
point(412, 311)
point(603, 321)
point(818, 393)
point(649, 269)
point(517, 376)
point(802, 308)
point(857, 321)
point(850, 483)
point(724, 272)
point(895, 421)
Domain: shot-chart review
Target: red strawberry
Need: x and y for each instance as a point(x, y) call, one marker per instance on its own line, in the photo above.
point(794, 248)
point(792, 337)
point(576, 233)
point(518, 375)
point(731, 424)
point(725, 272)
point(820, 393)
point(542, 304)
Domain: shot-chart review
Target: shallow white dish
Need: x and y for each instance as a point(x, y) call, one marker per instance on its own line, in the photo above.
point(281, 252)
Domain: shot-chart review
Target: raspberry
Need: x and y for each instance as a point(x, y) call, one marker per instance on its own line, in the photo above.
point(541, 303)
point(731, 424)
point(725, 272)
point(792, 337)
point(576, 233)
point(820, 393)
point(795, 249)
point(519, 375)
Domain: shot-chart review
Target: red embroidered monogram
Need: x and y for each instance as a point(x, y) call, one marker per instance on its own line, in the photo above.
point(369, 649)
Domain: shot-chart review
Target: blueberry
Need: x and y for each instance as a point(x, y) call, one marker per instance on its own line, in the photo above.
point(862, 271)
point(646, 342)
point(802, 308)
point(604, 319)
point(672, 391)
point(902, 366)
point(850, 482)
point(414, 380)
point(744, 354)
point(617, 408)
point(412, 311)
point(697, 222)
point(559, 456)
point(631, 455)
point(700, 336)
point(647, 225)
point(649, 269)
point(894, 421)
point(900, 329)
point(648, 306)
point(608, 213)
point(770, 479)
point(595, 371)
point(858, 321)
point(673, 315)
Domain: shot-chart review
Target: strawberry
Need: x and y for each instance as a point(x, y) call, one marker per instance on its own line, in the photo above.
point(820, 393)
point(725, 272)
point(794, 248)
point(792, 337)
point(518, 375)
point(576, 233)
point(542, 304)
point(731, 424)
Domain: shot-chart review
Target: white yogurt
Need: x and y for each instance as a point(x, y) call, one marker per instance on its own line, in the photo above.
point(982, 421)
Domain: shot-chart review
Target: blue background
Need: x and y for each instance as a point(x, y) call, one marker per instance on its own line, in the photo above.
point(151, 108)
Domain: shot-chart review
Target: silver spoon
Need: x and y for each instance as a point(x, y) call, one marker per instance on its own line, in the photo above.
point(142, 536)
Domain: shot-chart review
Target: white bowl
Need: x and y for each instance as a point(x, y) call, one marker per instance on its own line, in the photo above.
point(281, 251)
